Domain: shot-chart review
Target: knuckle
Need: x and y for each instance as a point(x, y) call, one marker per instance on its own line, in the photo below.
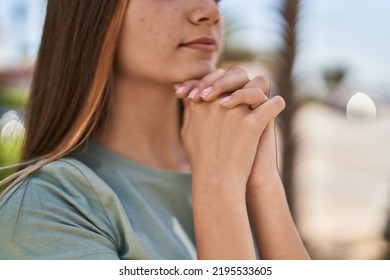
point(210, 78)
point(248, 96)
point(202, 84)
point(240, 95)
point(236, 68)
point(260, 96)
point(243, 76)
point(238, 72)
point(218, 86)
point(263, 80)
point(220, 71)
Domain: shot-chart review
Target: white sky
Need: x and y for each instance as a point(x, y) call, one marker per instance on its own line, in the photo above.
point(355, 33)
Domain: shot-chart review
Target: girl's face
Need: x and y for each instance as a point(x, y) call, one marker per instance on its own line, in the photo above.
point(169, 41)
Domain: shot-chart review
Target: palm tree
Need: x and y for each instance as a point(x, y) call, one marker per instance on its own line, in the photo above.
point(289, 13)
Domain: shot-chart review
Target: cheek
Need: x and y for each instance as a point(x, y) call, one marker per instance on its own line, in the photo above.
point(141, 40)
point(153, 34)
point(161, 20)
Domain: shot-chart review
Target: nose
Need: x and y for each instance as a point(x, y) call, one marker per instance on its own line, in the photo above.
point(205, 12)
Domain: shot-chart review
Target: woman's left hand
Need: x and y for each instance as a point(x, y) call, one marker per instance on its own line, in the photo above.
point(253, 93)
point(233, 83)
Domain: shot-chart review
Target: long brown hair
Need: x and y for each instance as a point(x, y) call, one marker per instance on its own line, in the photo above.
point(69, 96)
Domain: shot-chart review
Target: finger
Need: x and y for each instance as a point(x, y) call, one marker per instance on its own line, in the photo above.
point(227, 84)
point(234, 69)
point(262, 82)
point(249, 96)
point(206, 82)
point(183, 89)
point(254, 93)
point(269, 110)
point(204, 85)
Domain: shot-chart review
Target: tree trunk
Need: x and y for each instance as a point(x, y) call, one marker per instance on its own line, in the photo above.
point(285, 85)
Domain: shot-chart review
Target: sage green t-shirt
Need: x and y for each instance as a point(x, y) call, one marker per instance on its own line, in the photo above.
point(98, 205)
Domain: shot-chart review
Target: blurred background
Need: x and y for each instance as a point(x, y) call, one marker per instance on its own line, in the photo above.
point(329, 60)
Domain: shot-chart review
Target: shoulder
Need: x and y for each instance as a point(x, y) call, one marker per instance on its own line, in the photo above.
point(66, 204)
point(65, 174)
point(68, 171)
point(72, 182)
point(66, 180)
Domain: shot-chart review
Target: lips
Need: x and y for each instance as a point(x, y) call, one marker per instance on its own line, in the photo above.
point(205, 43)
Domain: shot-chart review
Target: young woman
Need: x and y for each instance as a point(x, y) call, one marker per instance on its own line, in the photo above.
point(114, 170)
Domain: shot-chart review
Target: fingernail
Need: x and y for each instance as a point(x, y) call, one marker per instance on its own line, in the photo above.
point(181, 90)
point(206, 92)
point(193, 93)
point(225, 99)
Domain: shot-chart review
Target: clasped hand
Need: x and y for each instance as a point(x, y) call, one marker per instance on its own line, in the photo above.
point(228, 128)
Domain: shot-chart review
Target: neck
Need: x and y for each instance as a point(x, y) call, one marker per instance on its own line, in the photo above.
point(143, 125)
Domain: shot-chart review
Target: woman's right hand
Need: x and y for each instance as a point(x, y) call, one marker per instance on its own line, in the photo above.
point(222, 142)
point(226, 128)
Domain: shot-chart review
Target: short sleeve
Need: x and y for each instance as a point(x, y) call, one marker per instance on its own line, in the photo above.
point(57, 214)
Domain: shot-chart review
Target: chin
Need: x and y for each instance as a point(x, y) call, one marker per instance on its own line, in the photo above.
point(197, 73)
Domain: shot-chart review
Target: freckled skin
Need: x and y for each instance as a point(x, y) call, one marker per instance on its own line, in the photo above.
point(151, 35)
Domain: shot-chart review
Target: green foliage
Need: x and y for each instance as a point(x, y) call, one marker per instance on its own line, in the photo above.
point(11, 135)
point(13, 97)
point(334, 76)
point(10, 149)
